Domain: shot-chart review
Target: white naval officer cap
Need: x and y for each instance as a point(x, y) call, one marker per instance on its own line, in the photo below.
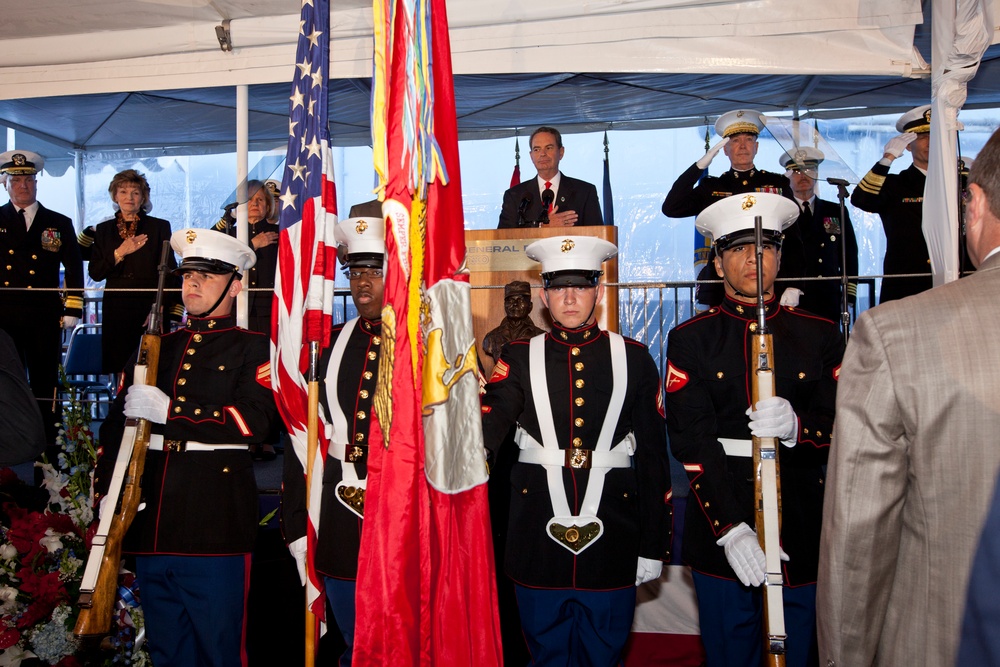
point(915, 120)
point(802, 158)
point(19, 163)
point(740, 121)
point(361, 242)
point(210, 251)
point(571, 260)
point(730, 221)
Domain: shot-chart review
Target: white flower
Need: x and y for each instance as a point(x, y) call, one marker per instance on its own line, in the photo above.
point(13, 656)
point(8, 552)
point(8, 599)
point(52, 541)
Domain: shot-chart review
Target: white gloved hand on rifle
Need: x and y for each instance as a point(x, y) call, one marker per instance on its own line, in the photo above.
point(707, 158)
point(790, 297)
point(895, 146)
point(745, 555)
point(298, 551)
point(144, 401)
point(774, 418)
point(647, 570)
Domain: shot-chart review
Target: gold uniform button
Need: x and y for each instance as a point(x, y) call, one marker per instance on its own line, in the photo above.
point(9, 267)
point(720, 375)
point(222, 368)
point(802, 376)
point(197, 411)
point(524, 492)
point(577, 442)
point(832, 237)
point(562, 334)
point(578, 400)
point(625, 495)
point(579, 384)
point(36, 257)
point(753, 326)
point(211, 324)
point(182, 398)
point(806, 431)
point(226, 469)
point(361, 414)
point(190, 351)
point(371, 356)
point(578, 422)
point(586, 334)
point(715, 523)
point(707, 504)
point(377, 340)
point(697, 486)
point(31, 272)
point(575, 351)
point(186, 366)
point(197, 338)
point(10, 251)
point(216, 414)
point(182, 382)
point(818, 434)
point(363, 393)
point(360, 437)
point(368, 375)
point(177, 409)
point(578, 365)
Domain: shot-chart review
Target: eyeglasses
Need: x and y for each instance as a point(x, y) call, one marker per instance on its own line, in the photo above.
point(358, 274)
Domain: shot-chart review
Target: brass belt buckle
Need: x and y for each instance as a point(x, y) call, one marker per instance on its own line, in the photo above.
point(354, 454)
point(173, 445)
point(578, 458)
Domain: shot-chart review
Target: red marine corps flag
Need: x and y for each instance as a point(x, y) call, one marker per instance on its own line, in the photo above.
point(307, 259)
point(425, 592)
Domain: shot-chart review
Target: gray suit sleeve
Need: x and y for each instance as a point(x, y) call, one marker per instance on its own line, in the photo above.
point(22, 434)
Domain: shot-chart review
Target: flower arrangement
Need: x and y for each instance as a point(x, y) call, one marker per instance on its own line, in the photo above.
point(42, 558)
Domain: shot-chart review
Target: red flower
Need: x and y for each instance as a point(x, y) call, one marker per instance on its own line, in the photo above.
point(8, 476)
point(46, 592)
point(9, 637)
point(68, 661)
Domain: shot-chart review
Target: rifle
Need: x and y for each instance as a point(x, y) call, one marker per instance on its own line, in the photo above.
point(767, 483)
point(99, 588)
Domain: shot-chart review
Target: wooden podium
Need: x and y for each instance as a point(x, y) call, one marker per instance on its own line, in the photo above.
point(496, 256)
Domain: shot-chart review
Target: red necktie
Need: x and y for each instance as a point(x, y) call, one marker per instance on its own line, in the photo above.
point(548, 186)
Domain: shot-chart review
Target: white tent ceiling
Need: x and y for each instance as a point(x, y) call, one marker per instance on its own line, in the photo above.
point(123, 74)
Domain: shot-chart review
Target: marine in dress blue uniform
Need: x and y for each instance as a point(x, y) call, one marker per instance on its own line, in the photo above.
point(350, 366)
point(574, 202)
point(694, 190)
point(590, 513)
point(899, 201)
point(35, 245)
point(707, 399)
point(823, 229)
point(212, 399)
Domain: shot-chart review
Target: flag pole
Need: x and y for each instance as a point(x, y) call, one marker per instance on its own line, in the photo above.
point(312, 438)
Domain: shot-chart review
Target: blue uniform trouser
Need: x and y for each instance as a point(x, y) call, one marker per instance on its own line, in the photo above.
point(340, 596)
point(195, 609)
point(731, 616)
point(570, 627)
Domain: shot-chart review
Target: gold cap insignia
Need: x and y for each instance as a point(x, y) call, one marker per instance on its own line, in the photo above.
point(19, 159)
point(739, 114)
point(361, 227)
point(567, 245)
point(191, 236)
point(927, 115)
point(748, 202)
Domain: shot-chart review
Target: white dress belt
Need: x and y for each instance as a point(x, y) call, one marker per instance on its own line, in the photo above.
point(735, 447)
point(156, 444)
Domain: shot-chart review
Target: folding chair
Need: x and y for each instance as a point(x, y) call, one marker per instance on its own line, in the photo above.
point(83, 368)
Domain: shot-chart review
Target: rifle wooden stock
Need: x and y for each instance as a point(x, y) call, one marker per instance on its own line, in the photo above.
point(97, 603)
point(767, 495)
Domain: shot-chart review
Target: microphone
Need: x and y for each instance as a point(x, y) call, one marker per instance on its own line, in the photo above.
point(522, 207)
point(547, 197)
point(838, 181)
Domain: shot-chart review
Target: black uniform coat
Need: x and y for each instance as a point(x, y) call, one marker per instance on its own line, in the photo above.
point(573, 195)
point(125, 311)
point(33, 258)
point(635, 506)
point(200, 503)
point(899, 201)
point(339, 528)
point(707, 395)
point(260, 277)
point(822, 233)
point(688, 197)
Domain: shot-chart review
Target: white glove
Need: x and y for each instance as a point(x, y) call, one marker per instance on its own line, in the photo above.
point(707, 158)
point(745, 555)
point(70, 322)
point(146, 402)
point(898, 144)
point(790, 297)
point(774, 418)
point(298, 551)
point(104, 502)
point(647, 570)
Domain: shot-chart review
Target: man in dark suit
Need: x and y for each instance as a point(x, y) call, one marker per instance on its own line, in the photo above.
point(552, 198)
point(36, 243)
point(899, 201)
point(822, 231)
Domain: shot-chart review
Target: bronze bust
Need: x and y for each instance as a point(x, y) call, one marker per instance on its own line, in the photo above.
point(517, 324)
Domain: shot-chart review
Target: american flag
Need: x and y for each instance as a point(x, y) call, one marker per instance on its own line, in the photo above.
point(307, 255)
